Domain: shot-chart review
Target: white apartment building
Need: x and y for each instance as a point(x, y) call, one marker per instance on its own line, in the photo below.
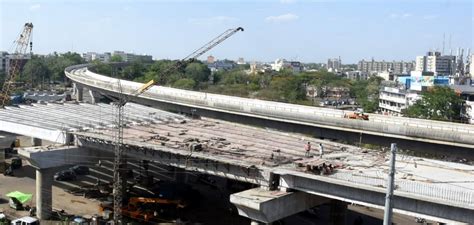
point(279, 64)
point(91, 56)
point(435, 62)
point(392, 101)
point(386, 75)
point(105, 57)
point(356, 75)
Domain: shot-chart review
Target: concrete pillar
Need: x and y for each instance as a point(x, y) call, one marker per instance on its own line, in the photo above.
point(74, 89)
point(36, 142)
point(79, 93)
point(338, 212)
point(180, 175)
point(44, 197)
point(93, 98)
point(253, 222)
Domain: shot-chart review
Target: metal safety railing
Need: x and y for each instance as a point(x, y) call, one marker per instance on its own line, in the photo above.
point(455, 194)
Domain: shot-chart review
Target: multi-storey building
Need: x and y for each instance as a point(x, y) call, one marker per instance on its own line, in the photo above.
point(466, 92)
point(435, 62)
point(280, 64)
point(106, 56)
point(334, 65)
point(392, 100)
point(356, 75)
point(396, 67)
point(7, 59)
point(3, 61)
point(91, 56)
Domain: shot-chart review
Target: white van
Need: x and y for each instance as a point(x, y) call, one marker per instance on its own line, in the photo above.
point(26, 221)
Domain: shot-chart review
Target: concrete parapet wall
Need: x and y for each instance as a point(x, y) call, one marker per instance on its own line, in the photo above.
point(414, 129)
point(361, 194)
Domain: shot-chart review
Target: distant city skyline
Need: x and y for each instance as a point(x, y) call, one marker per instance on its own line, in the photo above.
point(306, 31)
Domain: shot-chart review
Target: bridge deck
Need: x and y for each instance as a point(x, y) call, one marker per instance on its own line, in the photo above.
point(274, 151)
point(418, 179)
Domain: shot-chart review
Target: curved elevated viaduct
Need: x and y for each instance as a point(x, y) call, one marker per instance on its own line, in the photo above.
point(413, 134)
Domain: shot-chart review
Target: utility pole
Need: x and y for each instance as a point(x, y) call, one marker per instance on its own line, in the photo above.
point(387, 218)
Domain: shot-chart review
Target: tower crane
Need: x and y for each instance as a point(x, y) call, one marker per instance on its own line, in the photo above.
point(21, 46)
point(123, 99)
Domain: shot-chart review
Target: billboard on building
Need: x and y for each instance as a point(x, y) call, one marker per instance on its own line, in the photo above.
point(418, 82)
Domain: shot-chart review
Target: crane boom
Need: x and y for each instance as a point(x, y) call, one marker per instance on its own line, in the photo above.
point(191, 57)
point(21, 46)
point(211, 44)
point(123, 99)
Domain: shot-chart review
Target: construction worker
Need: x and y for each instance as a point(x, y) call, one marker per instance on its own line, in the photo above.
point(307, 147)
point(321, 150)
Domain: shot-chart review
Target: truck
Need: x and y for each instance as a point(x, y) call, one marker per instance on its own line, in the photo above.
point(146, 209)
point(357, 115)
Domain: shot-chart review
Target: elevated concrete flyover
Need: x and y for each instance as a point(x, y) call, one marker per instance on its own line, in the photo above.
point(55, 122)
point(416, 134)
point(425, 188)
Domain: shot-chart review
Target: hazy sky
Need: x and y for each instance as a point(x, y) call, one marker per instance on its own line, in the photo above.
point(308, 31)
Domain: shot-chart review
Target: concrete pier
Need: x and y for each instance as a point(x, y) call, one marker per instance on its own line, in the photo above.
point(338, 212)
point(79, 91)
point(44, 188)
point(266, 206)
point(94, 96)
point(180, 175)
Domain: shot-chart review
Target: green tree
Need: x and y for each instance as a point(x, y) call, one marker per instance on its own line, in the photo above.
point(101, 68)
point(285, 88)
point(366, 93)
point(198, 72)
point(2, 78)
point(185, 83)
point(234, 77)
point(73, 57)
point(132, 71)
point(35, 72)
point(116, 58)
point(157, 72)
point(57, 63)
point(439, 103)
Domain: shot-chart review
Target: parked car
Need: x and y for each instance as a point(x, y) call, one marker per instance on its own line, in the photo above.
point(65, 175)
point(80, 170)
point(26, 221)
point(16, 163)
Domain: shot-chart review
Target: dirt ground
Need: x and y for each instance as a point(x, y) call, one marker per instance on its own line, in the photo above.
point(24, 181)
